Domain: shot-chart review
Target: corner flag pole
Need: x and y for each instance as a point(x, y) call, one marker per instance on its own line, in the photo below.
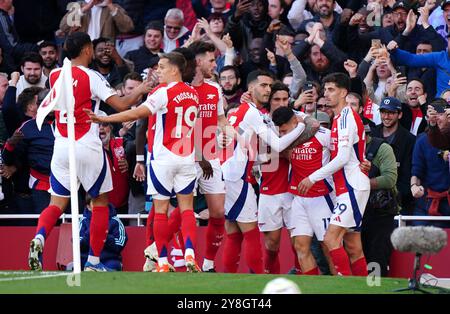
point(70, 103)
point(61, 97)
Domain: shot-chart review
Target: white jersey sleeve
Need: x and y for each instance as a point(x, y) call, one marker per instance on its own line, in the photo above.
point(256, 122)
point(300, 114)
point(157, 101)
point(347, 129)
point(100, 87)
point(220, 109)
point(324, 137)
point(346, 137)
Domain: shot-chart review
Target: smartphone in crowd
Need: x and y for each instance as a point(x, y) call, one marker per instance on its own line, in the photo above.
point(308, 86)
point(376, 43)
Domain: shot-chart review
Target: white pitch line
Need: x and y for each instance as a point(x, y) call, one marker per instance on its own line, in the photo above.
point(32, 277)
point(6, 273)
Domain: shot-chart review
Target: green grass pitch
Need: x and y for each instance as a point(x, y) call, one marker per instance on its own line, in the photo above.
point(182, 283)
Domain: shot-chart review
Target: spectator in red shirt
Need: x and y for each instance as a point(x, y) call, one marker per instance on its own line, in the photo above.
point(118, 164)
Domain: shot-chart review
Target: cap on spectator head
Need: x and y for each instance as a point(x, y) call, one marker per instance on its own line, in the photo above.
point(444, 3)
point(322, 117)
point(401, 5)
point(439, 104)
point(391, 104)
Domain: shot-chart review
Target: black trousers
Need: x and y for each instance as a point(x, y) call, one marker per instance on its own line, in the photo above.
point(376, 239)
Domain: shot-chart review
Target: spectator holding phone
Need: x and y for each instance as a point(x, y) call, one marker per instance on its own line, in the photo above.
point(430, 181)
point(440, 136)
point(307, 100)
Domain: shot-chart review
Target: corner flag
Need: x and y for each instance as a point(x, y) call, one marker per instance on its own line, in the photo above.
point(61, 97)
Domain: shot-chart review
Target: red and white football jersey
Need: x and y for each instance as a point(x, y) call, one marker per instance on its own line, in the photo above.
point(151, 123)
point(210, 108)
point(274, 176)
point(348, 130)
point(175, 107)
point(237, 159)
point(89, 88)
point(274, 173)
point(308, 157)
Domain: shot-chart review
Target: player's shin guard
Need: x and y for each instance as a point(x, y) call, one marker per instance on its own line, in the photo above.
point(174, 223)
point(214, 236)
point(47, 221)
point(160, 230)
point(99, 229)
point(253, 253)
point(232, 252)
point(149, 236)
point(359, 267)
point(341, 261)
point(189, 230)
point(271, 262)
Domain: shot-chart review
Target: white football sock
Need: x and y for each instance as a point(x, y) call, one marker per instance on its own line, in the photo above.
point(207, 264)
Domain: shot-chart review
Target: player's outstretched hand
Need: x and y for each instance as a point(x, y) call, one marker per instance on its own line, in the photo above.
point(246, 97)
point(207, 169)
point(226, 136)
point(139, 172)
point(146, 87)
point(304, 186)
point(93, 118)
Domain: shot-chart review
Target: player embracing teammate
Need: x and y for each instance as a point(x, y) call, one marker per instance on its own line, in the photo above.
point(352, 186)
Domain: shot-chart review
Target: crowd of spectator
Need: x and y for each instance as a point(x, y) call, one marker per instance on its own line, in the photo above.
point(396, 53)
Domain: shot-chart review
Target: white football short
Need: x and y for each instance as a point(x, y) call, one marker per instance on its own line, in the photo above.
point(274, 211)
point(92, 167)
point(240, 202)
point(213, 185)
point(349, 209)
point(311, 215)
point(165, 180)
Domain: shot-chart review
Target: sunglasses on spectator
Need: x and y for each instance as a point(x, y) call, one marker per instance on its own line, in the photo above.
point(322, 106)
point(177, 28)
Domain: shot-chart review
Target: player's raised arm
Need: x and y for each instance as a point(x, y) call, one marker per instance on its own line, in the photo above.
point(124, 103)
point(128, 115)
point(272, 139)
point(311, 128)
